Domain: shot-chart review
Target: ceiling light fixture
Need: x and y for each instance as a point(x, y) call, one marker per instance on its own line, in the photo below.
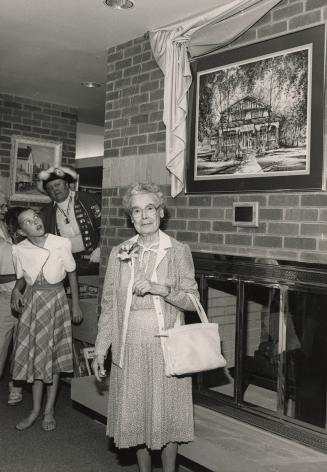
point(119, 4)
point(91, 84)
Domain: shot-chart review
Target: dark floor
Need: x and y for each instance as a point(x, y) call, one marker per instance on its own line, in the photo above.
point(79, 443)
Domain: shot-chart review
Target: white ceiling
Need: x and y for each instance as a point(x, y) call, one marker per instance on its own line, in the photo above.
point(47, 48)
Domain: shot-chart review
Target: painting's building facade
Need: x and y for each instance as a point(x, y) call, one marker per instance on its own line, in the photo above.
point(247, 126)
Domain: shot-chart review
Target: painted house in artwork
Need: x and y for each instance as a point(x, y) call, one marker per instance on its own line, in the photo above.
point(247, 126)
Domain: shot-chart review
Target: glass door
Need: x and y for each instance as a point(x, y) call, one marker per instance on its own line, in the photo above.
point(220, 301)
point(259, 346)
point(283, 352)
point(306, 356)
point(274, 339)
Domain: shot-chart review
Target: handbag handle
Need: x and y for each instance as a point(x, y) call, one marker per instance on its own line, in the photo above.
point(199, 308)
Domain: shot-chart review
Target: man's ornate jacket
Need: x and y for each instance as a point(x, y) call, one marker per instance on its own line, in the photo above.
point(88, 217)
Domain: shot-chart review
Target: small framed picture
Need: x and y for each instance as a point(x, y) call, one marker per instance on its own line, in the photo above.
point(28, 157)
point(245, 214)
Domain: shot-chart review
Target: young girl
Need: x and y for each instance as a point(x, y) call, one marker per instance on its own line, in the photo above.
point(43, 345)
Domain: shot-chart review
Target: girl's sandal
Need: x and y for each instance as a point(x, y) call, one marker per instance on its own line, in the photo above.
point(48, 423)
point(26, 422)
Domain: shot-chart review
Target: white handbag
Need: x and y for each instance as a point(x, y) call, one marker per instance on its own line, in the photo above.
point(192, 348)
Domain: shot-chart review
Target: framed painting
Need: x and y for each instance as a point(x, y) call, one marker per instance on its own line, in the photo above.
point(28, 157)
point(256, 119)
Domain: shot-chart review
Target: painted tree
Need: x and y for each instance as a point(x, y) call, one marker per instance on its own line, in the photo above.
point(281, 83)
point(205, 123)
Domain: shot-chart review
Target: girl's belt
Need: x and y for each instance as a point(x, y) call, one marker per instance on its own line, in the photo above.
point(47, 286)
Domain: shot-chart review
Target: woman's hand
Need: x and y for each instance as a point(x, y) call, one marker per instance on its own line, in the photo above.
point(77, 316)
point(143, 286)
point(16, 300)
point(98, 367)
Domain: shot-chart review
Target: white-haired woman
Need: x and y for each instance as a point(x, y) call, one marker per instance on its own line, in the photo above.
point(146, 285)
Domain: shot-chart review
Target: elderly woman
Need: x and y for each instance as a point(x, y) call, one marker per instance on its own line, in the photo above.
point(146, 285)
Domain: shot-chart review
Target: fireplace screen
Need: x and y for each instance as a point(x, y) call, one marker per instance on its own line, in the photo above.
point(306, 356)
point(274, 340)
point(221, 302)
point(261, 320)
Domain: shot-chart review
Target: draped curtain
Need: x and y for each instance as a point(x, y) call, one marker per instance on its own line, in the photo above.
point(174, 45)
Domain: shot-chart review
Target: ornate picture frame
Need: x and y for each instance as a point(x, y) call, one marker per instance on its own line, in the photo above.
point(256, 120)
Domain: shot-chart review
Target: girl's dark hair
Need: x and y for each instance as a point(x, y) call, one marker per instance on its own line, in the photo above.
point(11, 218)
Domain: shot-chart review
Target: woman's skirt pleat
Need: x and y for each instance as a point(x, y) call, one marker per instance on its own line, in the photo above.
point(145, 406)
point(43, 344)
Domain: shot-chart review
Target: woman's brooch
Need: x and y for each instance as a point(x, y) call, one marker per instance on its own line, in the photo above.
point(127, 253)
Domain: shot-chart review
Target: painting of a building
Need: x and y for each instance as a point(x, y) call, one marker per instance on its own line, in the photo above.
point(248, 125)
point(253, 117)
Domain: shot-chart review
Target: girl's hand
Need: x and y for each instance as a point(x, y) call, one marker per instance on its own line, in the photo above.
point(98, 367)
point(77, 314)
point(16, 301)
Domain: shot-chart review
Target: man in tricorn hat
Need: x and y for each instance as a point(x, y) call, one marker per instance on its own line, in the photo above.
point(73, 215)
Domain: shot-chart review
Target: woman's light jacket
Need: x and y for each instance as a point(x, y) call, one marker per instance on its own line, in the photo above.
point(174, 267)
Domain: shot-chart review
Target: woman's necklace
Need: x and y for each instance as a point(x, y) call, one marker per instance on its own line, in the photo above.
point(66, 213)
point(144, 260)
point(145, 256)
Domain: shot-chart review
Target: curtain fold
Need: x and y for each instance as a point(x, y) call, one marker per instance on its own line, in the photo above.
point(220, 33)
point(170, 46)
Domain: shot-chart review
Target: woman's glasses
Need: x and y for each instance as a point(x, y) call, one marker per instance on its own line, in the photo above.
point(149, 210)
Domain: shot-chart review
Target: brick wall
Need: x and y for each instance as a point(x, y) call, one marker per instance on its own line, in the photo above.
point(35, 119)
point(292, 225)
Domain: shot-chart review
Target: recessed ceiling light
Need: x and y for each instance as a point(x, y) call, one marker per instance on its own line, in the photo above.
point(119, 4)
point(91, 84)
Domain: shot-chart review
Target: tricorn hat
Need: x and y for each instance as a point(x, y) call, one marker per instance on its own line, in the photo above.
point(53, 173)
